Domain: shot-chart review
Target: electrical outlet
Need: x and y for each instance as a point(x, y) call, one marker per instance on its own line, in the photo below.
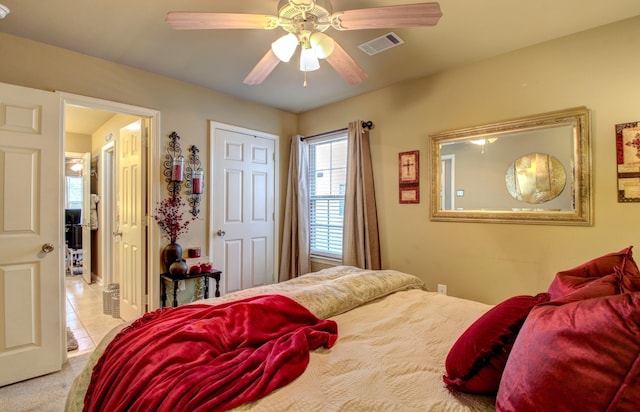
point(442, 289)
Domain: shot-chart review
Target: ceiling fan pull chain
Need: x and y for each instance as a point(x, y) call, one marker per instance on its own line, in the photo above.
point(305, 80)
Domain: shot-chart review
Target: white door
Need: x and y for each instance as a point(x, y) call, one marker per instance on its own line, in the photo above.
point(243, 207)
point(31, 234)
point(131, 194)
point(86, 217)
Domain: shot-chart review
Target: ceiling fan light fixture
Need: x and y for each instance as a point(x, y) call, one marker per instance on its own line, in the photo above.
point(308, 60)
point(285, 46)
point(304, 19)
point(76, 166)
point(322, 45)
point(4, 11)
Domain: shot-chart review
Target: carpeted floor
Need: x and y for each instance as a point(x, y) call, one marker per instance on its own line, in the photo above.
point(44, 394)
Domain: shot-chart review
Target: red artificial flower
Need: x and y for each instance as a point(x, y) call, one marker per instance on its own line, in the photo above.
point(170, 217)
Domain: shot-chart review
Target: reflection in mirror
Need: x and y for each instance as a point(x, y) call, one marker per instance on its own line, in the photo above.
point(530, 170)
point(537, 178)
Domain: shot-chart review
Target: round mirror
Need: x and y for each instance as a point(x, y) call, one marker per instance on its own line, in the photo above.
point(535, 178)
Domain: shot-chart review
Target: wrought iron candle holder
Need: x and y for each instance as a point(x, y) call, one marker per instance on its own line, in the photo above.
point(195, 180)
point(174, 166)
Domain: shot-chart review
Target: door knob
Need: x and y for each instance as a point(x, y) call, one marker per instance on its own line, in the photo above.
point(221, 232)
point(48, 247)
point(117, 233)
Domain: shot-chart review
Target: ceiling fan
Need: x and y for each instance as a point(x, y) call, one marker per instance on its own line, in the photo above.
point(306, 21)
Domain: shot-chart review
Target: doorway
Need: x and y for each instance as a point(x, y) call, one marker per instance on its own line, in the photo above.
point(78, 195)
point(447, 182)
point(88, 195)
point(100, 122)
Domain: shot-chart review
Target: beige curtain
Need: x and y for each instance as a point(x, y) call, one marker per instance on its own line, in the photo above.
point(294, 260)
point(361, 243)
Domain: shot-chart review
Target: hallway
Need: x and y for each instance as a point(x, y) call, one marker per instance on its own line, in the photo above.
point(85, 316)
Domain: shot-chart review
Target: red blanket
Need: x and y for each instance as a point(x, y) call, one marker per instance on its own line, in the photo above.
point(207, 358)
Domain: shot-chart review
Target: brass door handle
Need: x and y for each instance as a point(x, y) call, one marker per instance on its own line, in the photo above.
point(48, 248)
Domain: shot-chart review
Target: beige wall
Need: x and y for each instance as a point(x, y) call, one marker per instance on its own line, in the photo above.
point(77, 143)
point(486, 262)
point(489, 262)
point(184, 108)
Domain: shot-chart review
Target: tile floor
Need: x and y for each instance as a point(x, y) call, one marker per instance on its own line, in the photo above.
point(85, 315)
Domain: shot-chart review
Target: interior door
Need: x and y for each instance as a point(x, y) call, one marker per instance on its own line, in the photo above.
point(86, 217)
point(243, 208)
point(130, 193)
point(31, 234)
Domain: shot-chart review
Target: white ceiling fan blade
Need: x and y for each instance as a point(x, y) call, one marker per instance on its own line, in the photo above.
point(196, 20)
point(346, 66)
point(264, 67)
point(410, 15)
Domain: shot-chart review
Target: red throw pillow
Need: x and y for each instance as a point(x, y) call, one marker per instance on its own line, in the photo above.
point(584, 355)
point(604, 286)
point(570, 280)
point(475, 362)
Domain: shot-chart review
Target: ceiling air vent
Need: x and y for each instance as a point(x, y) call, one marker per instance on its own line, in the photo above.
point(381, 43)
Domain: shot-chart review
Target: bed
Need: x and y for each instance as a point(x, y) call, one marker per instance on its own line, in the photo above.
point(400, 347)
point(393, 337)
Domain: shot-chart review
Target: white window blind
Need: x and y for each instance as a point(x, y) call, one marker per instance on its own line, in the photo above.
point(327, 180)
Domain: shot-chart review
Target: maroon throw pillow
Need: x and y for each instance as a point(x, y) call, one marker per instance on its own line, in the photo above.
point(604, 286)
point(584, 356)
point(629, 283)
point(572, 279)
point(475, 362)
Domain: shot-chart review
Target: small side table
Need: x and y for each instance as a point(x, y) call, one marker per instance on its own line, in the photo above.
point(215, 273)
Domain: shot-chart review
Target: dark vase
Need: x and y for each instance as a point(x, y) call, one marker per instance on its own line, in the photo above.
point(170, 253)
point(179, 267)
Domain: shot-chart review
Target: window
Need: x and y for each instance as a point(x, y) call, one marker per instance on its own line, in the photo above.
point(327, 181)
point(73, 192)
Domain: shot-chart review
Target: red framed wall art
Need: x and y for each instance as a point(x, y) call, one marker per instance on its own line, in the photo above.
point(628, 161)
point(409, 176)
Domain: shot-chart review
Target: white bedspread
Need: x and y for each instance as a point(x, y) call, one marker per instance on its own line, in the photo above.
point(389, 357)
point(393, 339)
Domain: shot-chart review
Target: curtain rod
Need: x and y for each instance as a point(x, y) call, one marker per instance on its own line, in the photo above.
point(368, 125)
point(323, 134)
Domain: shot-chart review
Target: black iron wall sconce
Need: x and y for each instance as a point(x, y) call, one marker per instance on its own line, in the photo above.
point(174, 166)
point(195, 180)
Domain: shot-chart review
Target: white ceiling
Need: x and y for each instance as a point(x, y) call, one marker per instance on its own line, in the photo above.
point(134, 33)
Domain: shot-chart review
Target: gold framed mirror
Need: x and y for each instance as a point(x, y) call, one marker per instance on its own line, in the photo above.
point(530, 170)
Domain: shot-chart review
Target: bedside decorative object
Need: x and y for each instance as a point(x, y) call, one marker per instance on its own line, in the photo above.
point(179, 267)
point(194, 252)
point(170, 218)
